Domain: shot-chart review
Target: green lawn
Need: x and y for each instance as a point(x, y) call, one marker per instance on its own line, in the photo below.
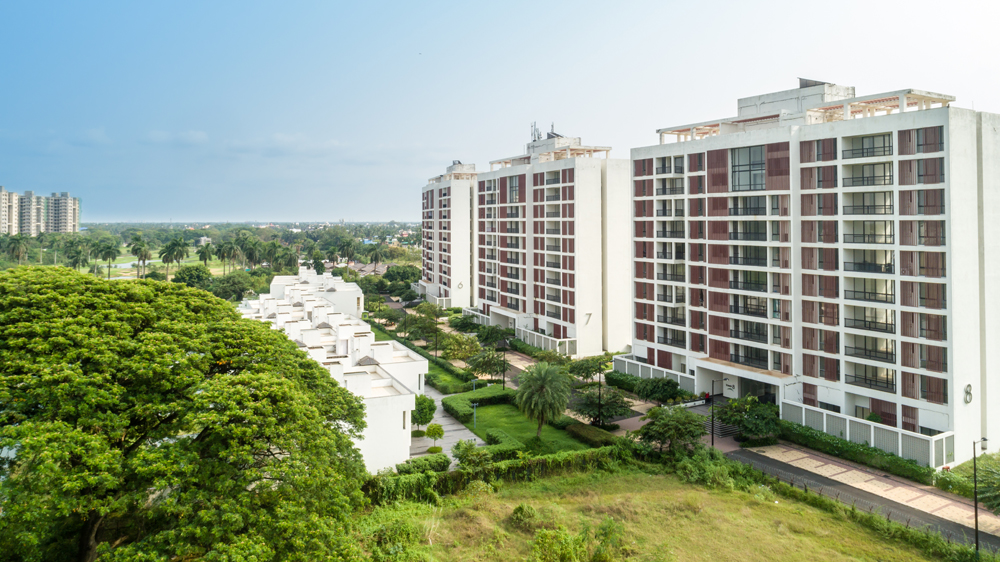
point(506, 417)
point(382, 336)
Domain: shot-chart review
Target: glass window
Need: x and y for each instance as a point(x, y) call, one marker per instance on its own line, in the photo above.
point(748, 168)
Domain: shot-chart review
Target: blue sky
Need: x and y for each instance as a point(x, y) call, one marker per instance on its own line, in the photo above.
point(312, 111)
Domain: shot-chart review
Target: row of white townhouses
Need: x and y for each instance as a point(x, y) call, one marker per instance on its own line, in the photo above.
point(834, 254)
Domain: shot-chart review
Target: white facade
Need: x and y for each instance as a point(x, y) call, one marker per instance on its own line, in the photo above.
point(549, 227)
point(320, 314)
point(63, 213)
point(34, 214)
point(31, 214)
point(832, 253)
point(10, 208)
point(446, 214)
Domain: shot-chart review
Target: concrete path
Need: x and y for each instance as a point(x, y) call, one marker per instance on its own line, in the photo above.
point(454, 430)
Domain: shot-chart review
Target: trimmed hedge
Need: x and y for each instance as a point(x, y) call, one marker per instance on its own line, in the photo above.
point(521, 347)
point(593, 436)
point(621, 380)
point(862, 454)
point(447, 387)
point(563, 421)
point(435, 463)
point(460, 405)
point(501, 445)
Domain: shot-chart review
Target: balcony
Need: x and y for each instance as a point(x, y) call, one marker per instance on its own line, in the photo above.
point(875, 354)
point(552, 231)
point(491, 257)
point(866, 267)
point(491, 299)
point(514, 245)
point(936, 366)
point(861, 181)
point(491, 285)
point(868, 209)
point(514, 261)
point(749, 310)
point(673, 190)
point(552, 264)
point(551, 181)
point(664, 256)
point(869, 238)
point(745, 211)
point(870, 325)
point(746, 286)
point(551, 197)
point(551, 214)
point(675, 342)
point(670, 234)
point(938, 240)
point(552, 298)
point(867, 152)
point(868, 296)
point(513, 231)
point(665, 298)
point(885, 384)
point(552, 281)
point(553, 315)
point(749, 336)
point(663, 212)
point(748, 360)
point(749, 236)
point(754, 262)
point(513, 215)
point(663, 169)
point(671, 319)
point(677, 277)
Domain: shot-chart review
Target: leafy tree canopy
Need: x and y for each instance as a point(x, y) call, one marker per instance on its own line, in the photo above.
point(404, 273)
point(599, 405)
point(659, 390)
point(676, 429)
point(149, 422)
point(233, 286)
point(197, 276)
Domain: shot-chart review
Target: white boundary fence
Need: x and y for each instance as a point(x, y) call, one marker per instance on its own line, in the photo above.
point(935, 451)
point(629, 365)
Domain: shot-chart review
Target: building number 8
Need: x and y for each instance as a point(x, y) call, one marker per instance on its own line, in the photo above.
point(968, 394)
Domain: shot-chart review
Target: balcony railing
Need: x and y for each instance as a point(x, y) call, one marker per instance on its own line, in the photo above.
point(551, 181)
point(553, 315)
point(751, 236)
point(858, 181)
point(663, 169)
point(663, 212)
point(664, 256)
point(937, 366)
point(931, 240)
point(552, 281)
point(491, 285)
point(552, 247)
point(876, 354)
point(670, 234)
point(749, 310)
point(552, 231)
point(514, 261)
point(673, 190)
point(870, 296)
point(866, 267)
point(749, 336)
point(867, 209)
point(884, 384)
point(755, 262)
point(551, 214)
point(868, 152)
point(551, 197)
point(748, 360)
point(553, 264)
point(869, 238)
point(671, 319)
point(746, 286)
point(665, 298)
point(552, 298)
point(675, 342)
point(870, 325)
point(678, 277)
point(490, 256)
point(930, 209)
point(514, 245)
point(743, 211)
point(513, 215)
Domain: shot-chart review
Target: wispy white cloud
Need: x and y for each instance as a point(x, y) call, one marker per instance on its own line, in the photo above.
point(279, 145)
point(90, 137)
point(179, 139)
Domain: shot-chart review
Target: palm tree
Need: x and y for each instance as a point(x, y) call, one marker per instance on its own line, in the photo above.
point(205, 252)
point(77, 257)
point(288, 258)
point(308, 248)
point(271, 251)
point(347, 249)
point(42, 238)
point(377, 254)
point(17, 247)
point(253, 252)
point(543, 393)
point(224, 252)
point(110, 252)
point(175, 251)
point(143, 253)
point(56, 241)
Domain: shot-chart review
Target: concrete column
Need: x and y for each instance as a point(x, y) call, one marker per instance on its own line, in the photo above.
point(902, 103)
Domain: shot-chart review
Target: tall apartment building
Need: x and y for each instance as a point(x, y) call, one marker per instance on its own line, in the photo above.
point(836, 255)
point(446, 215)
point(34, 214)
point(63, 213)
point(548, 227)
point(10, 209)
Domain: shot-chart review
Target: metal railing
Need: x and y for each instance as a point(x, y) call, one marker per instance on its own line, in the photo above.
point(554, 264)
point(550, 181)
point(678, 277)
point(552, 298)
point(663, 169)
point(552, 281)
point(869, 238)
point(743, 211)
point(749, 336)
point(755, 262)
point(857, 181)
point(671, 319)
point(866, 267)
point(938, 240)
point(883, 384)
point(551, 197)
point(870, 325)
point(750, 236)
point(673, 190)
point(552, 214)
point(870, 296)
point(552, 248)
point(746, 286)
point(749, 310)
point(670, 234)
point(867, 152)
point(747, 360)
point(552, 231)
point(553, 315)
point(876, 354)
point(665, 298)
point(663, 212)
point(664, 256)
point(868, 209)
point(675, 342)
point(491, 285)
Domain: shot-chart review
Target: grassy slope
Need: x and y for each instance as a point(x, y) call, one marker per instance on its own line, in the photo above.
point(509, 419)
point(664, 519)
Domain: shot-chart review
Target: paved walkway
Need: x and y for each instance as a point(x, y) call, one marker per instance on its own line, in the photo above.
point(454, 430)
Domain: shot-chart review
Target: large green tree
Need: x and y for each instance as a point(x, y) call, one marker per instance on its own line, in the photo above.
point(676, 429)
point(543, 393)
point(490, 362)
point(148, 421)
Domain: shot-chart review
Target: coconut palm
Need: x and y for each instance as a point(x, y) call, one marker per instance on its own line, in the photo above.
point(308, 249)
point(271, 250)
point(143, 253)
point(42, 239)
point(77, 257)
point(56, 241)
point(205, 252)
point(17, 247)
point(543, 393)
point(174, 251)
point(224, 251)
point(287, 258)
point(109, 251)
point(377, 254)
point(253, 253)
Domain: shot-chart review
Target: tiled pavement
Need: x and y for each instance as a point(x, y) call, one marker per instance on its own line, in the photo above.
point(925, 498)
point(454, 431)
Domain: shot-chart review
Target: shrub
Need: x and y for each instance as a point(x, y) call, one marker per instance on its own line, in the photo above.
point(659, 390)
point(155, 276)
point(392, 541)
point(621, 380)
point(435, 432)
point(599, 405)
point(559, 545)
point(562, 422)
point(460, 405)
point(424, 412)
point(501, 445)
point(439, 462)
point(447, 386)
point(863, 454)
point(434, 450)
point(521, 347)
point(523, 517)
point(418, 433)
point(593, 436)
point(954, 483)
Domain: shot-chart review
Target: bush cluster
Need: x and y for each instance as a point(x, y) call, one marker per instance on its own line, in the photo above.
point(563, 421)
point(460, 405)
point(862, 454)
point(501, 445)
point(954, 483)
point(621, 380)
point(593, 436)
point(435, 463)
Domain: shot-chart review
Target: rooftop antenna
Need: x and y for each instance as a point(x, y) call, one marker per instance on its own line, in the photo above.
point(536, 135)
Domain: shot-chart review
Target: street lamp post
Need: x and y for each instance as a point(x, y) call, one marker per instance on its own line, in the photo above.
point(503, 376)
point(975, 491)
point(474, 404)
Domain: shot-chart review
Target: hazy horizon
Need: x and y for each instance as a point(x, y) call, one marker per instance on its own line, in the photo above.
point(317, 111)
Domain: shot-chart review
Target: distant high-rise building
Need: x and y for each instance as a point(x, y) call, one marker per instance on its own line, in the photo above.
point(34, 213)
point(446, 278)
point(31, 214)
point(9, 212)
point(63, 213)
